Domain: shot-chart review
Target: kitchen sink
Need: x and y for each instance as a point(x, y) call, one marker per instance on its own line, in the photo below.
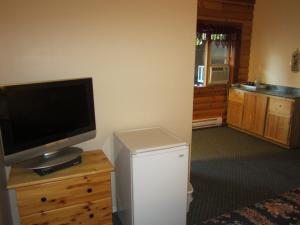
point(252, 86)
point(282, 91)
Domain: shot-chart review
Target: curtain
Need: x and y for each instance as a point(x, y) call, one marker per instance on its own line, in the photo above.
point(222, 35)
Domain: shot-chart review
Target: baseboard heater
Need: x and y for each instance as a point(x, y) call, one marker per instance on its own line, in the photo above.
point(210, 122)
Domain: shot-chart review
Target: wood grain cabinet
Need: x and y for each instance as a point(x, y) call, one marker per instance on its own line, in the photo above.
point(276, 119)
point(254, 113)
point(77, 195)
point(235, 107)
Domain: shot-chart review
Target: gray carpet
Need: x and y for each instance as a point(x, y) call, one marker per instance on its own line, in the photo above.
point(230, 170)
point(116, 220)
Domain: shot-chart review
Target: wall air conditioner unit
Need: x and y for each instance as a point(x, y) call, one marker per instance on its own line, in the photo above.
point(210, 122)
point(218, 74)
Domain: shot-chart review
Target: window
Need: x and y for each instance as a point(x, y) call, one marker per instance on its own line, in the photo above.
point(219, 53)
point(215, 49)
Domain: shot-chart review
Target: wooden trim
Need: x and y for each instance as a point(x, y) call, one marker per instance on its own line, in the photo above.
point(206, 62)
point(240, 2)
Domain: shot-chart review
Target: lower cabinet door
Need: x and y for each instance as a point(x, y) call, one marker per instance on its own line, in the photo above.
point(235, 113)
point(278, 122)
point(92, 213)
point(278, 128)
point(255, 106)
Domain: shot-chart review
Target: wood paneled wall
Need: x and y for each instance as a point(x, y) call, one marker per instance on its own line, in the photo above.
point(232, 11)
point(211, 101)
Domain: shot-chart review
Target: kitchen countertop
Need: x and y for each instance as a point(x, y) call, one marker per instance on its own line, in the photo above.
point(275, 90)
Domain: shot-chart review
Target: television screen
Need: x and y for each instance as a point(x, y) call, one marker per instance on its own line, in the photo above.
point(37, 114)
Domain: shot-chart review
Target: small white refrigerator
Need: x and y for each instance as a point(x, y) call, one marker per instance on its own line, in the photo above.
point(151, 168)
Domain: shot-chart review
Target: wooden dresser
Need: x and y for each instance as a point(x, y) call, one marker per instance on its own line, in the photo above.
point(78, 195)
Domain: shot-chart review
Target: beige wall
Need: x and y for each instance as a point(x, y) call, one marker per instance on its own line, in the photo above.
point(276, 35)
point(139, 53)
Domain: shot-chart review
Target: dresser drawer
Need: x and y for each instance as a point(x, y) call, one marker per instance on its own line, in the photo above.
point(92, 213)
point(236, 95)
point(55, 195)
point(280, 107)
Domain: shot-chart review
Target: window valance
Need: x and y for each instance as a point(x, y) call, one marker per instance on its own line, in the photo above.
point(222, 35)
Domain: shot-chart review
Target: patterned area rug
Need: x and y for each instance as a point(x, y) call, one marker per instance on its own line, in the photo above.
point(282, 210)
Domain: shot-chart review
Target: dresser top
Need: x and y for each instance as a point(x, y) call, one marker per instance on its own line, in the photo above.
point(93, 162)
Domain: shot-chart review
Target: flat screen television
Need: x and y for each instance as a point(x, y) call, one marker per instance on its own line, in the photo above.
point(40, 118)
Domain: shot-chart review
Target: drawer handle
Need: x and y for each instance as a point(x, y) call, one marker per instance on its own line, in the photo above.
point(89, 190)
point(92, 215)
point(43, 199)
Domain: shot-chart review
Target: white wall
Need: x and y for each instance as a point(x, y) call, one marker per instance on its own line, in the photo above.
point(139, 53)
point(275, 36)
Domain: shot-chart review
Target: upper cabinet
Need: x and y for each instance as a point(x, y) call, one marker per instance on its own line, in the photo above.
point(276, 119)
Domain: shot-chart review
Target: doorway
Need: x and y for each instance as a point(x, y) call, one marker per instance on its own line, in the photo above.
point(216, 68)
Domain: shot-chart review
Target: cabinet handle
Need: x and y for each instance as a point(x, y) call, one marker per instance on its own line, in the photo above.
point(43, 199)
point(92, 215)
point(89, 190)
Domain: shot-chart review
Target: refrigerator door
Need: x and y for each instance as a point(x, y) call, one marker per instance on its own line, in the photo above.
point(123, 182)
point(160, 187)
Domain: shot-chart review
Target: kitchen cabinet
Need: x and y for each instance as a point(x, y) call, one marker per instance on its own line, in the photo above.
point(235, 107)
point(272, 118)
point(254, 113)
point(278, 121)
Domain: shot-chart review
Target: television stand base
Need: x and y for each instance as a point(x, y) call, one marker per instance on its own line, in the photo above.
point(51, 169)
point(53, 161)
